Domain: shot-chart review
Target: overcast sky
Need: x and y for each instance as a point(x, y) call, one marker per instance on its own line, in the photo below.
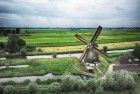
point(70, 13)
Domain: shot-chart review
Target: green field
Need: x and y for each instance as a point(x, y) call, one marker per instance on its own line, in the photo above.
point(65, 37)
point(61, 40)
point(55, 65)
point(41, 67)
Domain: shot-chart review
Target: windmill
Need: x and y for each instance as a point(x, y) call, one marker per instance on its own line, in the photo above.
point(90, 55)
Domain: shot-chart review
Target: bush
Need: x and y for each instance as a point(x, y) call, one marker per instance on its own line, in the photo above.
point(105, 49)
point(1, 88)
point(119, 80)
point(14, 55)
point(14, 44)
point(21, 43)
point(1, 45)
point(34, 63)
point(23, 52)
point(70, 82)
point(9, 83)
point(30, 48)
point(136, 51)
point(38, 81)
point(32, 88)
point(9, 90)
point(55, 87)
point(49, 81)
point(39, 50)
point(99, 90)
point(54, 55)
point(27, 81)
point(91, 84)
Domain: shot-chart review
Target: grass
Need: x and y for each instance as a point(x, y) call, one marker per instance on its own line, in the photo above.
point(41, 67)
point(111, 46)
point(65, 37)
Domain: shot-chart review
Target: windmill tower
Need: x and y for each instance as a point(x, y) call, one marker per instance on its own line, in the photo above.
point(90, 55)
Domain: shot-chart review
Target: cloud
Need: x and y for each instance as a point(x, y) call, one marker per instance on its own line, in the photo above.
point(70, 13)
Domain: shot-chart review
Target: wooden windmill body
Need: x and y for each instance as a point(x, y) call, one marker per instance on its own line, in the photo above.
point(90, 55)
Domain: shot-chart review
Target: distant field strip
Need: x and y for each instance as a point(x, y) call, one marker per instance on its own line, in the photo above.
point(121, 45)
point(65, 37)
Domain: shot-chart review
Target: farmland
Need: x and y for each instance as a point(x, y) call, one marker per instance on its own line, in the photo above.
point(44, 66)
point(41, 67)
point(65, 37)
point(63, 40)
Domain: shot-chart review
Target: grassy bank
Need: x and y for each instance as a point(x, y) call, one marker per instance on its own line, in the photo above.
point(111, 46)
point(41, 67)
point(69, 84)
point(55, 65)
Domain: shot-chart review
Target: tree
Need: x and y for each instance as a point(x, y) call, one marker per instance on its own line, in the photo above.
point(17, 30)
point(9, 90)
point(1, 45)
point(105, 48)
point(23, 52)
point(14, 44)
point(136, 51)
point(21, 43)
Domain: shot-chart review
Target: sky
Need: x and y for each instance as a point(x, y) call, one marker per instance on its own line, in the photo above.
point(70, 13)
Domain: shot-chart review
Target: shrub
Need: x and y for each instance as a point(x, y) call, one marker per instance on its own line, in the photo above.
point(34, 63)
point(39, 50)
point(23, 52)
point(91, 84)
point(105, 48)
point(14, 55)
point(55, 87)
point(21, 43)
point(32, 88)
point(1, 88)
point(38, 81)
point(54, 55)
point(70, 82)
point(136, 51)
point(38, 92)
point(9, 83)
point(27, 81)
point(9, 90)
point(99, 90)
point(30, 48)
point(49, 81)
point(14, 44)
point(1, 45)
point(119, 80)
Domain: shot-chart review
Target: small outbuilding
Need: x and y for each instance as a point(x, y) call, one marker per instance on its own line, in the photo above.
point(127, 63)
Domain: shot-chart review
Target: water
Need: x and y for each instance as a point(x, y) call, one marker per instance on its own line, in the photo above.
point(68, 55)
point(31, 78)
point(71, 55)
point(17, 66)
